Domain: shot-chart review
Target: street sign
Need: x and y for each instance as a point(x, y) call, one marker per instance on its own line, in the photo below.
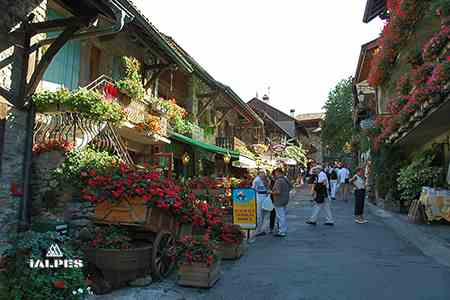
point(244, 208)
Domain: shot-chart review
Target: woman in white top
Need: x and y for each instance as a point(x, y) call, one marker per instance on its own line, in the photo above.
point(263, 203)
point(359, 183)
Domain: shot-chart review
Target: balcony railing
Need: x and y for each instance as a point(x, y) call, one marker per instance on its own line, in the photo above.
point(226, 142)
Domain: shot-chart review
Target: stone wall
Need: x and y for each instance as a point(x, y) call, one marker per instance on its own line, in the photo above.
point(14, 136)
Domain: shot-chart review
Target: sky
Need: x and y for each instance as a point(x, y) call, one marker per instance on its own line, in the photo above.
point(295, 49)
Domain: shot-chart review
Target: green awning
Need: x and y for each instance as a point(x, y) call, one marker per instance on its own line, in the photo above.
point(207, 147)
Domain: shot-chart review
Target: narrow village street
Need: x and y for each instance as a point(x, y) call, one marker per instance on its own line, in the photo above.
point(347, 261)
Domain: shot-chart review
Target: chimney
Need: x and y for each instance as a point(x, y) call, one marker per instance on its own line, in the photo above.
point(265, 98)
point(292, 112)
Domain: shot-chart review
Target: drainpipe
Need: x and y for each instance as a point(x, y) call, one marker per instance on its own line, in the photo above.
point(122, 16)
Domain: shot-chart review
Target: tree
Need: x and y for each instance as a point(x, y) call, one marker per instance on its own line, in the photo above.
point(337, 125)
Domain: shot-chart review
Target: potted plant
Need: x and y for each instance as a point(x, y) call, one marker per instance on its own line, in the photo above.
point(230, 240)
point(198, 262)
point(117, 257)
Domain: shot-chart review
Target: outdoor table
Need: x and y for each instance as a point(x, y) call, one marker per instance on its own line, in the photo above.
point(436, 203)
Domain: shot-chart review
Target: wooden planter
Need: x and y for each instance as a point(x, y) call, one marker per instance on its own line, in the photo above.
point(134, 212)
point(199, 275)
point(119, 266)
point(231, 251)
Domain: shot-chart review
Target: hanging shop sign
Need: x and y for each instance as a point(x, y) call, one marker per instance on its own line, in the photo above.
point(244, 208)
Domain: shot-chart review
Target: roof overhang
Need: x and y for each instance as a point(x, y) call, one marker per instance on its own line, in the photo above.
point(373, 9)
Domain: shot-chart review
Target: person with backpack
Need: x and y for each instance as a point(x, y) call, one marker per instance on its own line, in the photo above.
point(333, 182)
point(321, 199)
point(280, 194)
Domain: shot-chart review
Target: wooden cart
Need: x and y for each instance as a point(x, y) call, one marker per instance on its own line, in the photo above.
point(154, 225)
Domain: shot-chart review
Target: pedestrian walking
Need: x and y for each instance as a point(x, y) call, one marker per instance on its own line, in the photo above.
point(359, 183)
point(260, 185)
point(273, 213)
point(333, 182)
point(280, 193)
point(343, 175)
point(321, 199)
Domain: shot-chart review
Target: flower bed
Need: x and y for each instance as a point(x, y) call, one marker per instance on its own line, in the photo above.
point(52, 145)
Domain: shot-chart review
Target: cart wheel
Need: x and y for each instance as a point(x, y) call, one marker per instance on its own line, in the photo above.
point(162, 262)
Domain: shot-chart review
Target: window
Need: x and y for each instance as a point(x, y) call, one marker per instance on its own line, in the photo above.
point(117, 68)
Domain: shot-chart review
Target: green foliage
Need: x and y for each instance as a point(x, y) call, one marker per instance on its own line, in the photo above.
point(386, 165)
point(78, 161)
point(183, 126)
point(25, 283)
point(132, 83)
point(443, 6)
point(337, 125)
point(419, 173)
point(111, 237)
point(87, 102)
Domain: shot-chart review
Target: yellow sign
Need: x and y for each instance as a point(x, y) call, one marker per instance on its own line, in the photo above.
point(244, 208)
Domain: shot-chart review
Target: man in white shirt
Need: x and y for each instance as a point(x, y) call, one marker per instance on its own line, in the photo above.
point(343, 182)
point(321, 199)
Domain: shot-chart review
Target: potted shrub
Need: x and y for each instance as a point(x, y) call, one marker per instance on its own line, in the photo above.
point(198, 262)
point(230, 240)
point(117, 257)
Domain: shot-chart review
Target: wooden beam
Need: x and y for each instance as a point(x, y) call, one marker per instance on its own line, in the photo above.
point(223, 117)
point(155, 76)
point(5, 94)
point(60, 24)
point(204, 107)
point(155, 67)
point(48, 57)
point(207, 95)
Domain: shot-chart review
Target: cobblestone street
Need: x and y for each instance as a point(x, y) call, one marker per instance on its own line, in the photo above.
point(347, 261)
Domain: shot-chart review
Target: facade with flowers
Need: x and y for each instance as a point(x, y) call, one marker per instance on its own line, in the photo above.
point(401, 92)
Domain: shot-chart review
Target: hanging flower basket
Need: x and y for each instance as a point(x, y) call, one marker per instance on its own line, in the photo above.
point(199, 275)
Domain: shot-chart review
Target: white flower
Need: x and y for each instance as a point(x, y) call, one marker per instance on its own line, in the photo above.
point(74, 292)
point(80, 290)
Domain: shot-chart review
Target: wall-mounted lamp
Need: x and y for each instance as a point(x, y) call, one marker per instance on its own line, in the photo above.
point(227, 158)
point(185, 159)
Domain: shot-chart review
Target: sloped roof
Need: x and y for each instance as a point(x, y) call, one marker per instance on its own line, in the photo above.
point(373, 9)
point(272, 112)
point(365, 60)
point(311, 116)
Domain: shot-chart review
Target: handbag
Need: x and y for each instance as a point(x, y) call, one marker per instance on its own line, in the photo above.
point(267, 204)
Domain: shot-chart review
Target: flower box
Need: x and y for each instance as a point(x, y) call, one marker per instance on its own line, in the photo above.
point(231, 251)
point(199, 275)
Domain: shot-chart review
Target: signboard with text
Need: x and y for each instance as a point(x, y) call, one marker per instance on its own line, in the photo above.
point(244, 208)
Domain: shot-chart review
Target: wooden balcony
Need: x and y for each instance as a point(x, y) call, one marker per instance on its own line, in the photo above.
point(226, 142)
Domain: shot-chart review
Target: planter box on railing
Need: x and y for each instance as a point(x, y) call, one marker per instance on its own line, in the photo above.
point(199, 275)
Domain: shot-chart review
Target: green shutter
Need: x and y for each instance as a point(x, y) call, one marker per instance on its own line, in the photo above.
point(65, 66)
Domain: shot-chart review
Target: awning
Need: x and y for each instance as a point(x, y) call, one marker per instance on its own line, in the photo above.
point(244, 162)
point(207, 147)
